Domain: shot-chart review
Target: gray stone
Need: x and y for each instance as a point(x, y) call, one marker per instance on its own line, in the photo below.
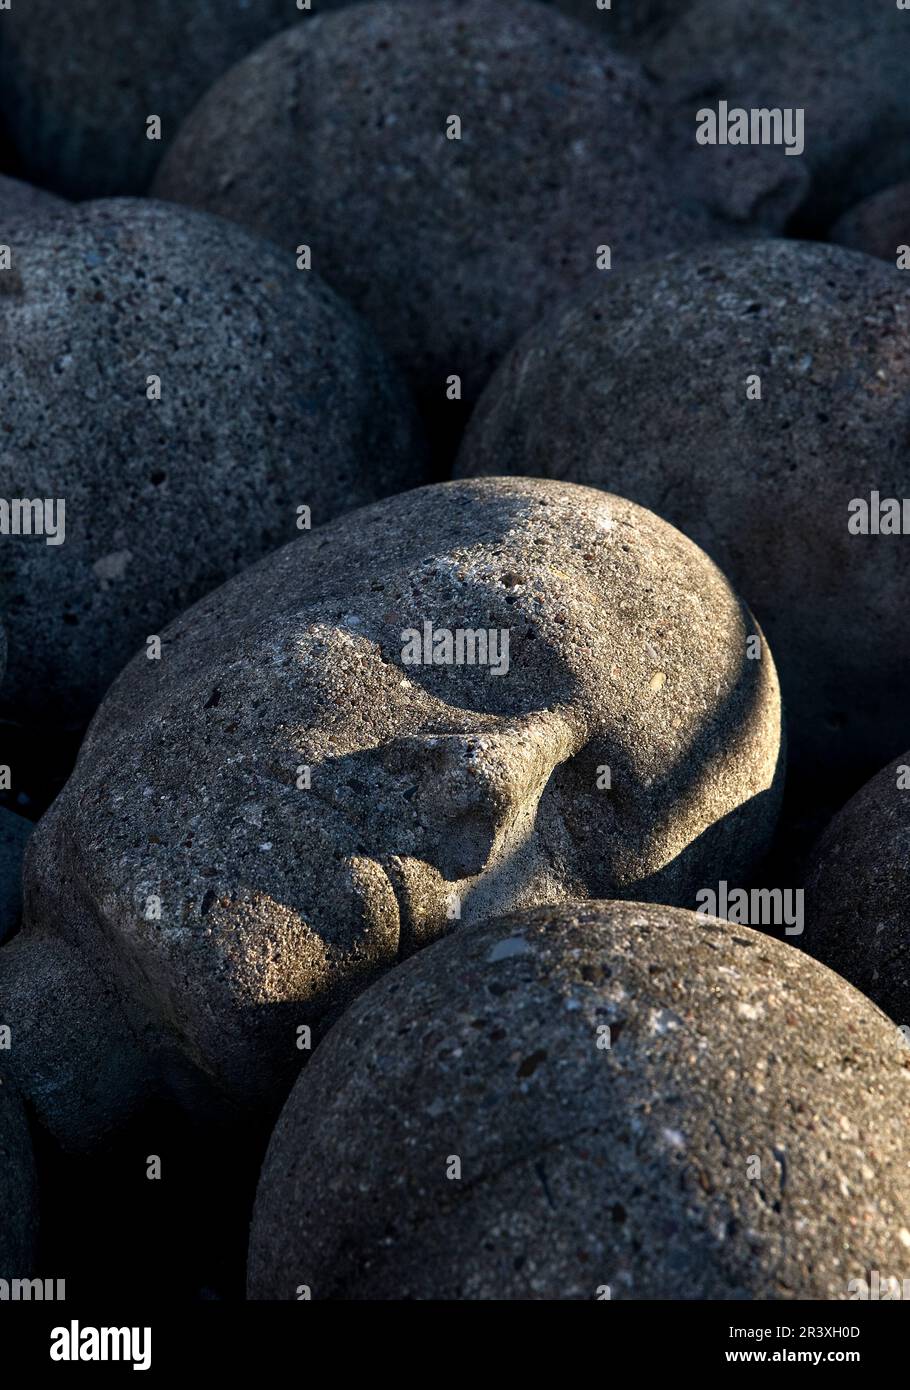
point(21, 203)
point(18, 1188)
point(858, 891)
point(273, 396)
point(640, 388)
point(78, 82)
point(641, 1099)
point(878, 225)
point(634, 24)
point(433, 789)
point(844, 62)
point(334, 134)
point(14, 833)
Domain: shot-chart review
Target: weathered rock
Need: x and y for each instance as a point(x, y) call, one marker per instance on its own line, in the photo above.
point(627, 747)
point(636, 25)
point(640, 1099)
point(641, 388)
point(14, 833)
point(21, 203)
point(78, 82)
point(334, 134)
point(18, 1189)
point(272, 396)
point(843, 62)
point(879, 225)
point(858, 891)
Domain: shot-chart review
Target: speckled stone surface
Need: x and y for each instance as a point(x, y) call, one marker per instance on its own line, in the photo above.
point(14, 833)
point(18, 1189)
point(433, 789)
point(742, 1136)
point(78, 81)
point(641, 389)
point(273, 396)
point(879, 225)
point(334, 134)
point(844, 62)
point(858, 891)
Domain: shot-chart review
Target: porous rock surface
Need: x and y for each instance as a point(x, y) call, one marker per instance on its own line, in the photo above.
point(842, 62)
point(641, 1100)
point(858, 891)
point(643, 388)
point(78, 82)
point(334, 135)
point(273, 396)
point(281, 807)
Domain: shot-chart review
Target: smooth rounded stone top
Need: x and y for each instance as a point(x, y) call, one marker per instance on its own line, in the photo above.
point(21, 203)
point(334, 134)
point(879, 225)
point(590, 1097)
point(14, 833)
point(273, 396)
point(286, 804)
point(843, 62)
point(18, 1188)
point(858, 891)
point(79, 81)
point(641, 388)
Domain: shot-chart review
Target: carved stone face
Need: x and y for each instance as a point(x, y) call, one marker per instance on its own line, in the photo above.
point(282, 806)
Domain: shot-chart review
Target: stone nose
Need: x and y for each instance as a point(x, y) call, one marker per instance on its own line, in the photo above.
point(477, 793)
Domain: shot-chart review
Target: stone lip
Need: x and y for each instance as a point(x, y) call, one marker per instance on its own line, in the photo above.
point(640, 387)
point(273, 396)
point(450, 248)
point(858, 891)
point(223, 906)
point(632, 1165)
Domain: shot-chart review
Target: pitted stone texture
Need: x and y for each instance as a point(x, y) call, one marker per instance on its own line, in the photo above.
point(14, 833)
point(858, 891)
point(79, 81)
point(879, 225)
point(641, 388)
point(333, 134)
point(844, 62)
point(630, 1165)
point(21, 204)
point(273, 396)
point(434, 790)
point(18, 1188)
